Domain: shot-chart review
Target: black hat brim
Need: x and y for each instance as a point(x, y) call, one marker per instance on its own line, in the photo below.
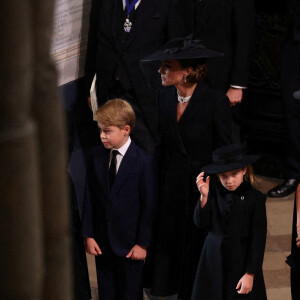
point(182, 54)
point(217, 168)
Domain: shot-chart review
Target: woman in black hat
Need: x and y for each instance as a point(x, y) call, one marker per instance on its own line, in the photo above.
point(193, 121)
point(234, 215)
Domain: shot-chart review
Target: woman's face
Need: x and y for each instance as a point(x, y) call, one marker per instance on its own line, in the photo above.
point(232, 180)
point(172, 73)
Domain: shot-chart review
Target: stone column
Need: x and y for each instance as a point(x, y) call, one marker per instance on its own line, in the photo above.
point(20, 222)
point(49, 115)
point(34, 218)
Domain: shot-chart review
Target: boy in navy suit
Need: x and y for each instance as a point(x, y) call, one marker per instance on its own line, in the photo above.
point(119, 204)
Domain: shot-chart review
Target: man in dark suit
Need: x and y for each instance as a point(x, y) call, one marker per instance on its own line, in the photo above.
point(225, 26)
point(115, 47)
point(290, 79)
point(119, 205)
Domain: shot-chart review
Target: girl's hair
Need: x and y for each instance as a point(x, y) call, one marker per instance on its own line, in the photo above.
point(250, 177)
point(199, 69)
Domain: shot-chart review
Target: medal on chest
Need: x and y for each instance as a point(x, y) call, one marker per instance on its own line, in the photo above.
point(127, 25)
point(129, 7)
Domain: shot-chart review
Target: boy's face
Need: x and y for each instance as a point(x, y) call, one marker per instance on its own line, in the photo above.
point(232, 180)
point(114, 137)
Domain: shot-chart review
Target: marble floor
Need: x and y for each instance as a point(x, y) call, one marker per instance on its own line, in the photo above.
point(276, 271)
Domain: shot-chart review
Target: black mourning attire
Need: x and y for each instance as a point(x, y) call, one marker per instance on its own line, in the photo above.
point(237, 225)
point(225, 26)
point(186, 146)
point(114, 55)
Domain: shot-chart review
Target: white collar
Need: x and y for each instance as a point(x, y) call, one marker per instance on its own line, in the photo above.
point(136, 5)
point(122, 150)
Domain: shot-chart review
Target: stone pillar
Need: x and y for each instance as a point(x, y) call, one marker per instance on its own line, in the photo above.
point(49, 115)
point(20, 221)
point(34, 218)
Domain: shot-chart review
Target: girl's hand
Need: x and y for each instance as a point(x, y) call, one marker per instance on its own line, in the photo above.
point(137, 253)
point(91, 247)
point(245, 284)
point(203, 186)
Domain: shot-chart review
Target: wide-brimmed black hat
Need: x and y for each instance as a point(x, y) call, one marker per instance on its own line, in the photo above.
point(228, 158)
point(182, 48)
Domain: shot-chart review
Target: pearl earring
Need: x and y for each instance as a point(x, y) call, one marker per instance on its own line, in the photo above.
point(184, 79)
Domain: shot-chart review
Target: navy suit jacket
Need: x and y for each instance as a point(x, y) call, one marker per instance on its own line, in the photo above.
point(121, 217)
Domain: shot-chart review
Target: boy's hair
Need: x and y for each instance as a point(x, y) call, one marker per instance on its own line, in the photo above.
point(116, 112)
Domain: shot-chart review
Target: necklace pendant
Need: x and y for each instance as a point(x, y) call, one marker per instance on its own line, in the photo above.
point(127, 25)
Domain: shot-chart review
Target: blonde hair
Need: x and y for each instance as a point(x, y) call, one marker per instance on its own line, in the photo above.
point(116, 112)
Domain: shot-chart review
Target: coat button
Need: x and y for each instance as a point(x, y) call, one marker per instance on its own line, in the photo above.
point(242, 197)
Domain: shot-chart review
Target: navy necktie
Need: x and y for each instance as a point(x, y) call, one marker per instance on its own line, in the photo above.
point(113, 167)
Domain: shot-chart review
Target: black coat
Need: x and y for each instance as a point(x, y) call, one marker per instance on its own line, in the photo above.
point(186, 146)
point(113, 53)
point(226, 26)
point(237, 226)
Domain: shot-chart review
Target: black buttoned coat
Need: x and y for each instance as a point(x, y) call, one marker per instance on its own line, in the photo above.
point(237, 225)
point(185, 147)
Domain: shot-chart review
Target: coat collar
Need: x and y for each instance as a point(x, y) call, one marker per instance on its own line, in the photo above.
point(196, 100)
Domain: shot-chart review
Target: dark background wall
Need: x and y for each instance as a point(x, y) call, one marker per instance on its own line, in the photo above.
point(263, 122)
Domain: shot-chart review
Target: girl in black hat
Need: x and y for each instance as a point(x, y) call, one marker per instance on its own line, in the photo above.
point(234, 215)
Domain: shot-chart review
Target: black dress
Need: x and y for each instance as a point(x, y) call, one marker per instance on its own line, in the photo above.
point(186, 146)
point(236, 224)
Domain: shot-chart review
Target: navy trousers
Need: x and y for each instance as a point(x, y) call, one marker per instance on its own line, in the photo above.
point(119, 278)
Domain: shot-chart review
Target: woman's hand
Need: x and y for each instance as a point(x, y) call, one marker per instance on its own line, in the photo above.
point(91, 247)
point(245, 284)
point(137, 253)
point(203, 187)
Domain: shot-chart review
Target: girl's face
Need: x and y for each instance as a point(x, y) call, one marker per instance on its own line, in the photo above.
point(172, 73)
point(232, 180)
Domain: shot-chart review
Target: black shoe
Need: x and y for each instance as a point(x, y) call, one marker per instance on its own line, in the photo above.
point(284, 189)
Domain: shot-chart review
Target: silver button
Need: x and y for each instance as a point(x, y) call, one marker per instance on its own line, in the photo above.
point(242, 197)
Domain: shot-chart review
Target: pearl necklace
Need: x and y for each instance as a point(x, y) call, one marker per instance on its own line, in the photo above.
point(182, 99)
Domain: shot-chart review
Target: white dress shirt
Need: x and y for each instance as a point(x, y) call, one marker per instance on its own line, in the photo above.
point(122, 150)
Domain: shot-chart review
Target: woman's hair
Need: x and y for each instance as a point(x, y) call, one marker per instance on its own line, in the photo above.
point(116, 112)
point(199, 68)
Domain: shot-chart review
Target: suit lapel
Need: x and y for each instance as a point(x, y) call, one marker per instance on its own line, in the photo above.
point(102, 169)
point(126, 166)
point(145, 8)
point(207, 7)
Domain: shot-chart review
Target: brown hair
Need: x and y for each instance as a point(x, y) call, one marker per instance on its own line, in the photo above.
point(116, 112)
point(199, 69)
point(249, 176)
